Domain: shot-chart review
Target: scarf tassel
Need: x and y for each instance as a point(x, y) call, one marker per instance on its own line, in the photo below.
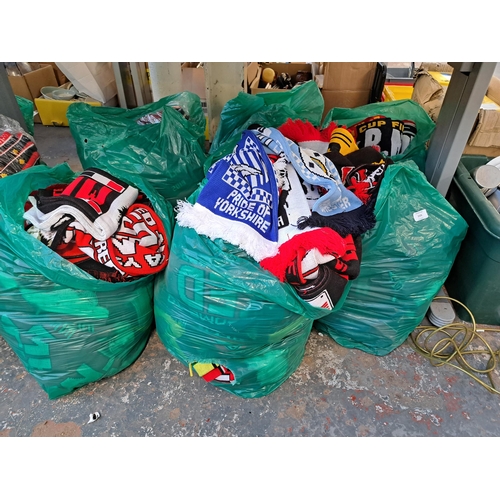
point(354, 222)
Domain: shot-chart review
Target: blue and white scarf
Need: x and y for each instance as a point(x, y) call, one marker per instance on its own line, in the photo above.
point(239, 202)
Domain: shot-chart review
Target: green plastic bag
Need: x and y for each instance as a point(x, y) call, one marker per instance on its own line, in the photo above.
point(405, 109)
point(215, 304)
point(163, 142)
point(67, 327)
point(407, 257)
point(27, 108)
point(269, 109)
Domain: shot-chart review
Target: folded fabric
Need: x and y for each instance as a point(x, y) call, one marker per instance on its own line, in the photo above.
point(239, 202)
point(348, 265)
point(409, 133)
point(318, 242)
point(137, 249)
point(306, 135)
point(332, 205)
point(363, 156)
point(325, 288)
point(213, 372)
point(364, 181)
point(96, 200)
point(325, 291)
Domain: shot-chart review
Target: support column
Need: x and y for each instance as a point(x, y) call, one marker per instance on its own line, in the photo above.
point(166, 79)
point(224, 81)
point(465, 93)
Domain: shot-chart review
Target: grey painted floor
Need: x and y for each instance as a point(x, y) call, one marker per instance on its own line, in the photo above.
point(56, 145)
point(334, 392)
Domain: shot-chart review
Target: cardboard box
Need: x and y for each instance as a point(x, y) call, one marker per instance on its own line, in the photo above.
point(60, 76)
point(53, 112)
point(429, 90)
point(349, 76)
point(29, 85)
point(347, 84)
point(345, 98)
point(486, 133)
point(251, 73)
point(474, 150)
point(256, 87)
point(20, 87)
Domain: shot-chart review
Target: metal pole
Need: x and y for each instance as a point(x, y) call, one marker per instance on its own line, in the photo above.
point(119, 85)
point(145, 85)
point(8, 102)
point(458, 113)
point(137, 84)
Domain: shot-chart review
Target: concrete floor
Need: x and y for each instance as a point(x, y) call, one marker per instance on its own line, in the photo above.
point(334, 392)
point(56, 145)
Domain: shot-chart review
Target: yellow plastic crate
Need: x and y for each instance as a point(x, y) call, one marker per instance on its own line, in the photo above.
point(53, 112)
point(397, 92)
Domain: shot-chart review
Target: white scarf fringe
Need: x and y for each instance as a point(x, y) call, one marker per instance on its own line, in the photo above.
point(204, 222)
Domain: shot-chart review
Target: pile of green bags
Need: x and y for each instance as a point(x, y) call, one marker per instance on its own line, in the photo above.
point(214, 305)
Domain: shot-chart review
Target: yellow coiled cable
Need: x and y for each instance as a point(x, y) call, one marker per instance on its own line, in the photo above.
point(452, 346)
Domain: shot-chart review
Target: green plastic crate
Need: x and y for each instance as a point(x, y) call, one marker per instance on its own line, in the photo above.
point(474, 278)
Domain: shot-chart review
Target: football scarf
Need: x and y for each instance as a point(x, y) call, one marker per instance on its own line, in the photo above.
point(325, 291)
point(343, 141)
point(325, 288)
point(392, 136)
point(239, 202)
point(317, 264)
point(17, 152)
point(361, 171)
point(332, 205)
point(364, 181)
point(95, 199)
point(137, 249)
point(293, 204)
point(212, 372)
point(315, 243)
point(306, 135)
